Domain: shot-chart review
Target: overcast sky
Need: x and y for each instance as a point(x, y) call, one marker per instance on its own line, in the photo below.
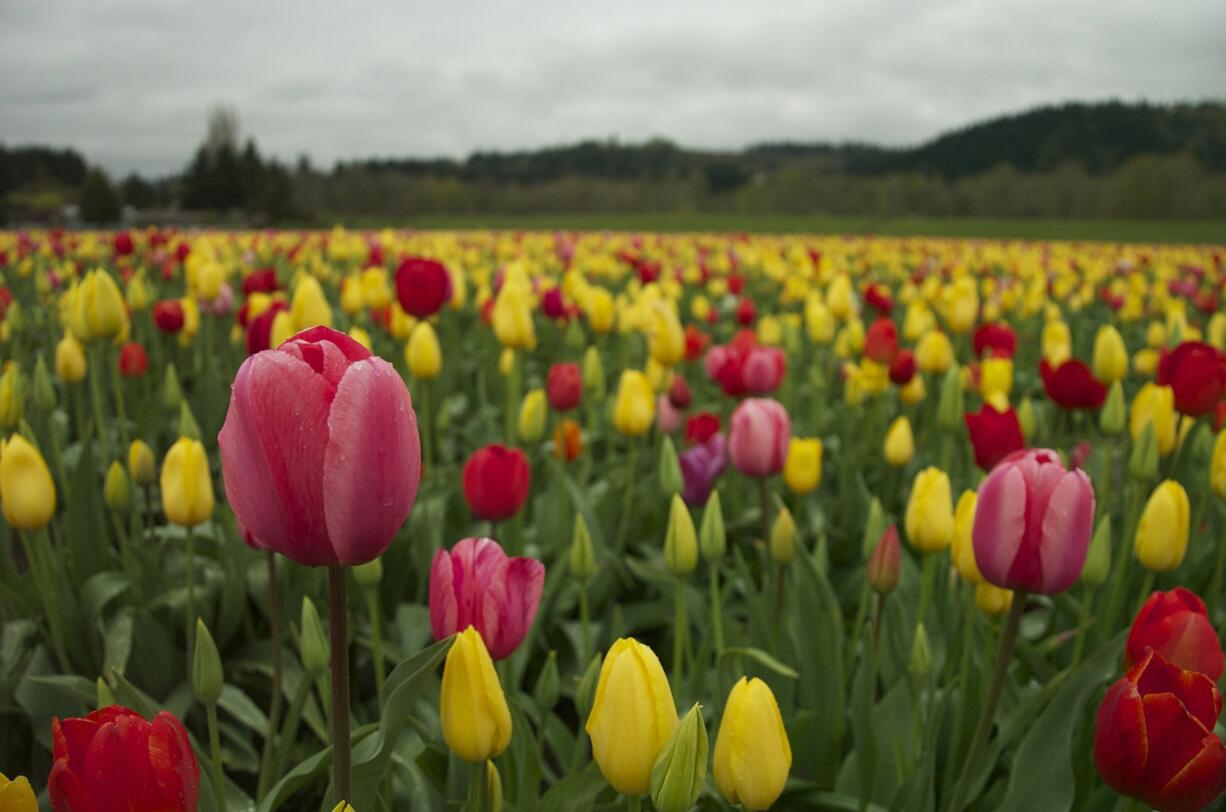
point(129, 82)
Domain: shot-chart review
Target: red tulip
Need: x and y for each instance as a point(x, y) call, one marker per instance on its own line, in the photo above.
point(553, 305)
point(1072, 386)
point(695, 342)
point(1197, 373)
point(476, 584)
point(123, 244)
point(995, 338)
point(881, 341)
point(320, 451)
point(736, 283)
point(1032, 523)
point(564, 386)
point(1176, 625)
point(1154, 740)
point(113, 760)
point(994, 435)
point(763, 369)
point(264, 281)
point(567, 440)
point(496, 482)
point(743, 367)
point(133, 360)
point(902, 368)
point(422, 286)
point(746, 312)
point(883, 564)
point(700, 427)
point(758, 437)
point(168, 315)
point(878, 297)
point(259, 329)
point(679, 394)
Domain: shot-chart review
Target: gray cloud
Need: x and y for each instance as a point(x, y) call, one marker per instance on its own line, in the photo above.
point(129, 81)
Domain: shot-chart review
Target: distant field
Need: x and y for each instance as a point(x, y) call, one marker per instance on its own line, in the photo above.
point(1112, 230)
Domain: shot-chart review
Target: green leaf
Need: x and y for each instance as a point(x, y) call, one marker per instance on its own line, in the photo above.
point(240, 706)
point(101, 589)
point(307, 771)
point(762, 658)
point(575, 793)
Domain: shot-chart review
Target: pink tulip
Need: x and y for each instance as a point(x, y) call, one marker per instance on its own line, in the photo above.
point(1033, 522)
point(758, 437)
point(476, 584)
point(763, 369)
point(320, 452)
point(667, 416)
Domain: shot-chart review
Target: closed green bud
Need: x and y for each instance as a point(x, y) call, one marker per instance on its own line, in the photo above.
point(783, 537)
point(370, 574)
point(921, 653)
point(791, 339)
point(593, 374)
point(172, 392)
point(1098, 557)
point(105, 696)
point(1026, 418)
point(207, 677)
point(681, 540)
point(188, 427)
point(533, 413)
point(680, 770)
point(546, 691)
point(874, 526)
point(575, 339)
point(670, 467)
point(12, 396)
point(313, 645)
point(15, 317)
point(585, 692)
point(711, 537)
point(582, 555)
point(1113, 416)
point(42, 390)
point(950, 408)
point(1143, 463)
point(117, 489)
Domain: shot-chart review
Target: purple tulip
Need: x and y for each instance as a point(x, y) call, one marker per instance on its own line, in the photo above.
point(701, 466)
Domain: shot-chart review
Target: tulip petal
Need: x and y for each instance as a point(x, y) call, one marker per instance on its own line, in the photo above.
point(1176, 736)
point(444, 611)
point(372, 465)
point(1066, 529)
point(1121, 746)
point(1200, 781)
point(177, 774)
point(516, 606)
point(1000, 522)
point(67, 792)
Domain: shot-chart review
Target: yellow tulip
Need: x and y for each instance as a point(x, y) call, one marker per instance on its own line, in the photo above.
point(899, 445)
point(752, 753)
point(208, 280)
point(991, 599)
point(934, 354)
point(377, 290)
point(423, 354)
point(665, 336)
point(472, 707)
point(512, 316)
point(17, 795)
point(961, 304)
point(1155, 335)
point(137, 294)
point(1162, 535)
point(1215, 330)
point(1145, 361)
point(310, 307)
point(1057, 342)
point(27, 492)
point(917, 321)
point(913, 391)
point(632, 716)
point(1110, 355)
point(600, 310)
point(996, 378)
point(841, 298)
point(802, 472)
point(1217, 465)
point(360, 335)
point(187, 485)
point(1155, 405)
point(281, 330)
point(635, 406)
point(532, 414)
point(819, 321)
point(930, 514)
point(141, 465)
point(97, 308)
point(401, 324)
point(191, 320)
point(353, 298)
point(963, 550)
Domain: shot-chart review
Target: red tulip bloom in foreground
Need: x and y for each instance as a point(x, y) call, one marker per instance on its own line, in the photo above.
point(496, 482)
point(133, 360)
point(320, 450)
point(113, 760)
point(564, 386)
point(476, 584)
point(1033, 522)
point(1197, 374)
point(758, 437)
point(1176, 625)
point(1154, 740)
point(1072, 386)
point(994, 435)
point(423, 286)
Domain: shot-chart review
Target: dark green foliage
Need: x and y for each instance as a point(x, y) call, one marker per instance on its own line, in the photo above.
point(99, 203)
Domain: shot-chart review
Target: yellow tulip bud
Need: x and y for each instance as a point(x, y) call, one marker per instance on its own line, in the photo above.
point(991, 599)
point(1162, 535)
point(309, 306)
point(934, 354)
point(377, 289)
point(819, 321)
point(17, 795)
point(783, 537)
point(27, 492)
point(1215, 330)
point(681, 539)
point(665, 337)
point(632, 716)
point(512, 316)
point(208, 280)
point(961, 304)
point(98, 312)
point(281, 330)
point(635, 406)
point(1057, 342)
point(1155, 335)
point(532, 413)
point(187, 485)
point(141, 465)
point(353, 298)
point(506, 361)
point(423, 354)
point(802, 472)
point(963, 550)
point(137, 294)
point(841, 298)
point(930, 515)
point(899, 446)
point(472, 708)
point(913, 391)
point(1155, 405)
point(1217, 465)
point(1145, 362)
point(752, 753)
point(360, 335)
point(1110, 355)
point(995, 378)
point(70, 359)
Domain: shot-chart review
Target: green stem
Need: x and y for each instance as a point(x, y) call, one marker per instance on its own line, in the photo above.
point(585, 622)
point(46, 591)
point(1219, 568)
point(764, 506)
point(376, 637)
point(125, 551)
point(929, 576)
point(634, 804)
point(1147, 586)
point(680, 626)
point(1083, 626)
point(632, 461)
point(121, 414)
point(513, 386)
point(427, 433)
point(190, 619)
point(274, 711)
point(984, 729)
point(338, 626)
point(219, 784)
point(95, 395)
point(289, 733)
point(1119, 583)
point(717, 613)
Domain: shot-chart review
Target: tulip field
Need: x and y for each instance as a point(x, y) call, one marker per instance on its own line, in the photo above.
point(567, 521)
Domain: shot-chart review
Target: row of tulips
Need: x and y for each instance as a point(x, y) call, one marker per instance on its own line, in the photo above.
point(338, 408)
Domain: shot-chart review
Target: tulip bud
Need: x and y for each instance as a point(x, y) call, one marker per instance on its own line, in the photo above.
point(1162, 535)
point(172, 392)
point(532, 413)
point(546, 691)
point(680, 541)
point(874, 526)
point(141, 465)
point(343, 806)
point(1143, 463)
point(27, 492)
point(1026, 418)
point(670, 467)
point(899, 446)
point(574, 337)
point(593, 374)
point(116, 490)
point(582, 556)
point(963, 549)
point(188, 427)
point(105, 696)
point(802, 471)
point(1098, 557)
point(681, 767)
point(42, 391)
point(585, 691)
point(423, 354)
point(12, 396)
point(485, 794)
point(506, 361)
point(752, 753)
point(929, 518)
point(991, 599)
point(950, 407)
point(1217, 465)
point(472, 708)
point(921, 653)
point(312, 643)
point(1111, 418)
point(70, 362)
point(17, 795)
point(711, 536)
point(207, 677)
point(883, 564)
point(370, 574)
point(783, 537)
point(635, 406)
